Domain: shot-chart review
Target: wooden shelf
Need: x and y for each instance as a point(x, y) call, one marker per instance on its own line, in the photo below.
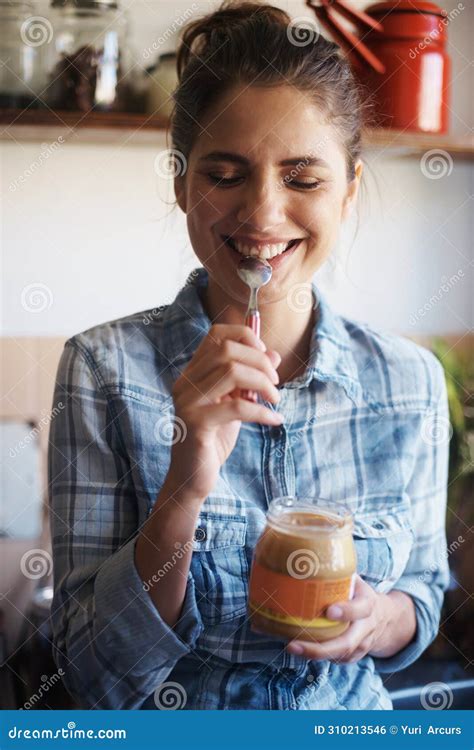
point(78, 127)
point(139, 129)
point(404, 143)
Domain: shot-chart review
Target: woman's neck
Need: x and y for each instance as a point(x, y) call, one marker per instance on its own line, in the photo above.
point(287, 332)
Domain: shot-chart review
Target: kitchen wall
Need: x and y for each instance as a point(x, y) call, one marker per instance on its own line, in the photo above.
point(92, 234)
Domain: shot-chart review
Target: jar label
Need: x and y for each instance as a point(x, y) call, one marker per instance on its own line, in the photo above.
point(296, 601)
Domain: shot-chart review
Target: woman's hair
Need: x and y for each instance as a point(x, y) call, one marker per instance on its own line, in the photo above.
point(246, 43)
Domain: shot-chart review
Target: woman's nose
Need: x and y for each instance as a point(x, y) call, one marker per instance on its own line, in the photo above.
point(262, 205)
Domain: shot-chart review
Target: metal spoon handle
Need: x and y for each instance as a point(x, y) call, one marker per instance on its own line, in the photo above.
point(252, 320)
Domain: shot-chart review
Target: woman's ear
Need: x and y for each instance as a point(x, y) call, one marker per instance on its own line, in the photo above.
point(352, 190)
point(180, 191)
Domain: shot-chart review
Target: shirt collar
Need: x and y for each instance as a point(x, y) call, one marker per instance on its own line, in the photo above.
point(186, 323)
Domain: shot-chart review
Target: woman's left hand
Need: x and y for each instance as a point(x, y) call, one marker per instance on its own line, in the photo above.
point(368, 612)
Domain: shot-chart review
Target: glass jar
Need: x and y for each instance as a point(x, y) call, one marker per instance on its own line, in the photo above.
point(23, 37)
point(91, 65)
point(163, 81)
point(303, 561)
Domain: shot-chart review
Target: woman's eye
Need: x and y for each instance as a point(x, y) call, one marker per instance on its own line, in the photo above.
point(220, 180)
point(297, 184)
point(303, 185)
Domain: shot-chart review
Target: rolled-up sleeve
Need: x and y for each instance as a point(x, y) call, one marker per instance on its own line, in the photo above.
point(108, 637)
point(426, 575)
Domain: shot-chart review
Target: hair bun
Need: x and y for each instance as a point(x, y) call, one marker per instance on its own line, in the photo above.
point(215, 26)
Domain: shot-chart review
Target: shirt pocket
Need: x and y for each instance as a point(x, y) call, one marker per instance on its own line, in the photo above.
point(220, 568)
point(383, 547)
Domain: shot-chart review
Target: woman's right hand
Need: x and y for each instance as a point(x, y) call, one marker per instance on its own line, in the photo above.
point(209, 408)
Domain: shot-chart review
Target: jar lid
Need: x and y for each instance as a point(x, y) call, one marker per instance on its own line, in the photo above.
point(85, 4)
point(406, 6)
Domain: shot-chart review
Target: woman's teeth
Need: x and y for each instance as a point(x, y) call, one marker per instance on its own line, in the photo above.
point(265, 252)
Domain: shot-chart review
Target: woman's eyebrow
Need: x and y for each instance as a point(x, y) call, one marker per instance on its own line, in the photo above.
point(238, 159)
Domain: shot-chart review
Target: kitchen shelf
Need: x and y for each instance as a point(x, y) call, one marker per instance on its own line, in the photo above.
point(139, 129)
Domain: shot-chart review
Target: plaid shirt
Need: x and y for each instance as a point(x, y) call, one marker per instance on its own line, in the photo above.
point(366, 425)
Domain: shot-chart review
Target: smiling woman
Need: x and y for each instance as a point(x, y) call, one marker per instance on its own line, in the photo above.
point(161, 474)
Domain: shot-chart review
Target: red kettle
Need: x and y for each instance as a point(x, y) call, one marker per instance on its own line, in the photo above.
point(400, 56)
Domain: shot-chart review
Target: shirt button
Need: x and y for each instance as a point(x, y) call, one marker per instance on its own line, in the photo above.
point(377, 525)
point(200, 534)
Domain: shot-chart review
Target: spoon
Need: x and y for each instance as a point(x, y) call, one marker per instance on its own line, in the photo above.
point(255, 273)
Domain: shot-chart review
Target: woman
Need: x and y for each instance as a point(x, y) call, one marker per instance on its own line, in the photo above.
point(161, 475)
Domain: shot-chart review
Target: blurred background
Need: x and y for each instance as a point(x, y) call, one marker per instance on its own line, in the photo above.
point(89, 232)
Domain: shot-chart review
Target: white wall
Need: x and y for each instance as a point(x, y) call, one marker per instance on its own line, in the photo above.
point(91, 225)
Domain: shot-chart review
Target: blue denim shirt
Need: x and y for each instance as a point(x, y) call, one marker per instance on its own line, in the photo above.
point(366, 425)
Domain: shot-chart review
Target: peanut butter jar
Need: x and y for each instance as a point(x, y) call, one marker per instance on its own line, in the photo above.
point(303, 561)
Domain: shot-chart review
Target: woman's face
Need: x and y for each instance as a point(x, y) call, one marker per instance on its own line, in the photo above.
point(266, 169)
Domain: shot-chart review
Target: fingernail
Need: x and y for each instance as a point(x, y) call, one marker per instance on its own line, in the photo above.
point(295, 648)
point(262, 345)
point(334, 613)
point(278, 417)
point(276, 377)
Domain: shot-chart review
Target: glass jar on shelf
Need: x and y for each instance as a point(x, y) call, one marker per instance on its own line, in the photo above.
point(163, 79)
point(91, 64)
point(24, 37)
